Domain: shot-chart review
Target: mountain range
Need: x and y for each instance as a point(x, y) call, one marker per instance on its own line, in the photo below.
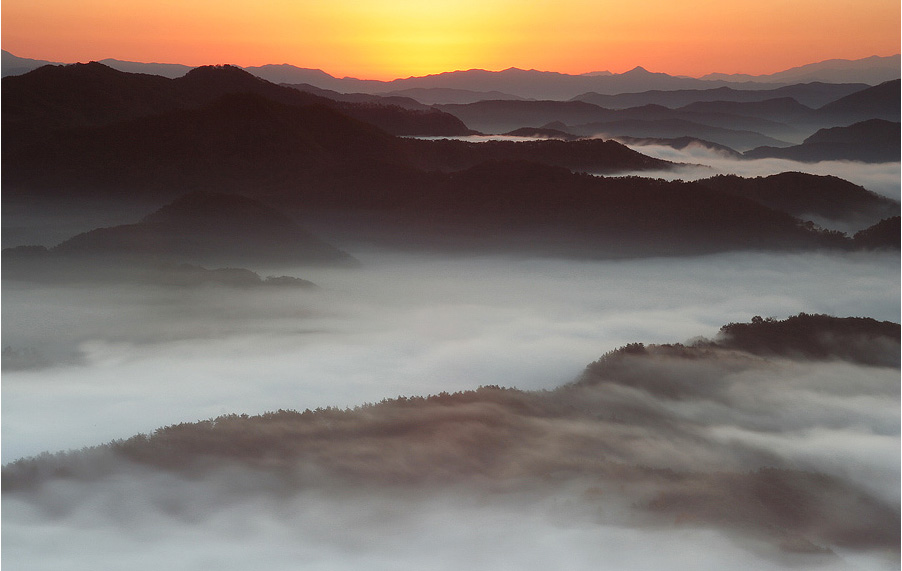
point(532, 84)
point(89, 130)
point(740, 125)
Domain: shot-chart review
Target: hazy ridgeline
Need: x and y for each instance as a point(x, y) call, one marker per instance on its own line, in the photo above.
point(702, 162)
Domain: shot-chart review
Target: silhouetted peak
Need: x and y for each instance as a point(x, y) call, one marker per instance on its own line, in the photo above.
point(205, 209)
point(871, 130)
point(882, 235)
point(90, 70)
point(219, 73)
point(637, 71)
point(653, 108)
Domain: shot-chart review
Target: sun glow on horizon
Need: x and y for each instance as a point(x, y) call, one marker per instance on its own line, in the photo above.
point(386, 39)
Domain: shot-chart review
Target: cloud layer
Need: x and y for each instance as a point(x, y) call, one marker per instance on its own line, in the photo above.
point(882, 178)
point(128, 359)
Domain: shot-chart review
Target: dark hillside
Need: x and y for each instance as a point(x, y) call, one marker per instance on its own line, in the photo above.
point(885, 234)
point(79, 95)
point(803, 195)
point(207, 228)
point(871, 141)
point(878, 102)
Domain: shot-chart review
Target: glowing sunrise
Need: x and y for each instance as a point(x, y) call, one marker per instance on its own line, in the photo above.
point(386, 39)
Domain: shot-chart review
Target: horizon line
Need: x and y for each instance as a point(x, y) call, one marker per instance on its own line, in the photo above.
point(349, 77)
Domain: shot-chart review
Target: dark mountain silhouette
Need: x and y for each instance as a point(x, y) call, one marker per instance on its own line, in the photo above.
point(730, 129)
point(405, 102)
point(289, 74)
point(577, 441)
point(814, 95)
point(394, 119)
point(57, 97)
point(783, 109)
point(804, 336)
point(586, 155)
point(531, 207)
point(542, 133)
point(438, 95)
point(882, 235)
point(872, 141)
point(879, 102)
point(813, 336)
point(805, 195)
point(207, 228)
point(243, 141)
point(504, 116)
point(259, 139)
point(234, 141)
point(776, 124)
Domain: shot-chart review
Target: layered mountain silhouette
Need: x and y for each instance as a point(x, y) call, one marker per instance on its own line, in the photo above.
point(531, 83)
point(95, 131)
point(534, 84)
point(518, 206)
point(871, 141)
point(883, 235)
point(199, 228)
point(649, 121)
point(86, 95)
point(739, 123)
point(814, 95)
point(878, 102)
point(92, 94)
point(397, 100)
point(804, 195)
point(94, 128)
point(439, 95)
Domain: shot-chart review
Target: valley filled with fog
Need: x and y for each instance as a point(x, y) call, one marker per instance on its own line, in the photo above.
point(702, 162)
point(98, 362)
point(109, 361)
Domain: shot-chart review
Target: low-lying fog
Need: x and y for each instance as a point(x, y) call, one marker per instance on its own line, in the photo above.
point(704, 162)
point(93, 363)
point(87, 364)
point(353, 531)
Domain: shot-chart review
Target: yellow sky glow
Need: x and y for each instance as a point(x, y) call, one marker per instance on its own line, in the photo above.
point(385, 39)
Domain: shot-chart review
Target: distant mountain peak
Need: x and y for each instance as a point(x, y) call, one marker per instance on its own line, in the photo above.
point(638, 70)
point(222, 74)
point(229, 210)
point(217, 69)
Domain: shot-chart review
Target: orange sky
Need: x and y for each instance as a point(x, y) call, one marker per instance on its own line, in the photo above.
point(385, 39)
